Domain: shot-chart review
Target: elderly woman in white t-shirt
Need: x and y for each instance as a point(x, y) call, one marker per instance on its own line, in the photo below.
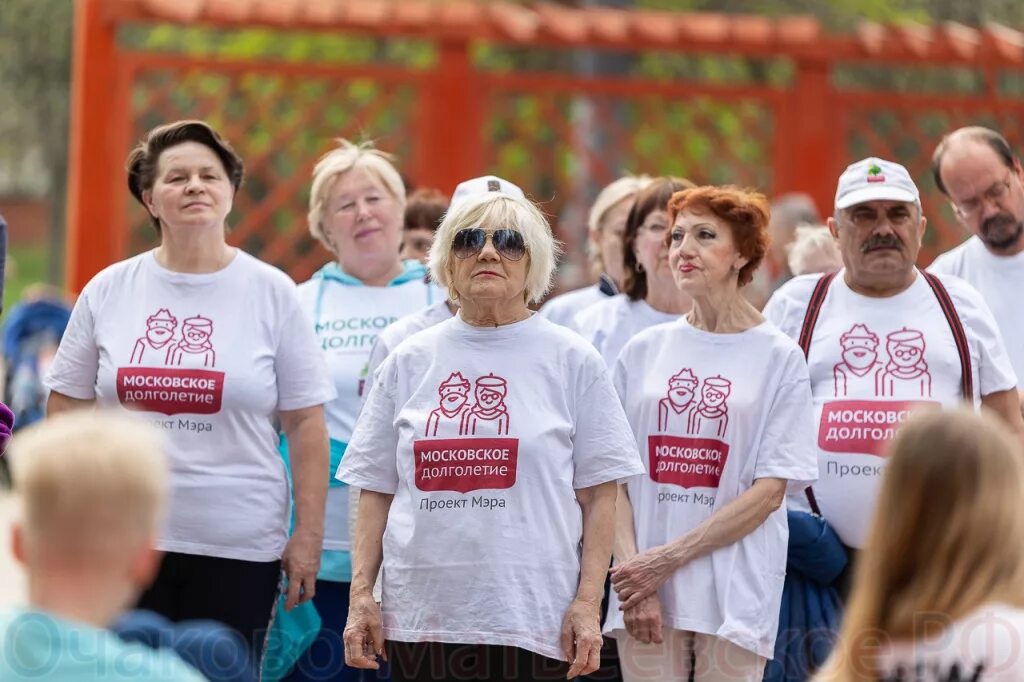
point(720, 403)
point(487, 454)
point(939, 587)
point(649, 292)
point(606, 224)
point(356, 211)
point(211, 345)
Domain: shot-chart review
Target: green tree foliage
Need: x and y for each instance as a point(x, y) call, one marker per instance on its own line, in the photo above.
point(35, 79)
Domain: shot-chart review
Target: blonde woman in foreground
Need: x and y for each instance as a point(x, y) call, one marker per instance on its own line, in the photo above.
point(939, 593)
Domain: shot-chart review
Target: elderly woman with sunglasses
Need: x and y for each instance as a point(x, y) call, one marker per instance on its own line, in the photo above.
point(487, 451)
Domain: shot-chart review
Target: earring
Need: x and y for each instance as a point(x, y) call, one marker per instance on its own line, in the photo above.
point(452, 294)
point(639, 267)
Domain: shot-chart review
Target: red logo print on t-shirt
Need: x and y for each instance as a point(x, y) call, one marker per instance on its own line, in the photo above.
point(688, 450)
point(860, 373)
point(860, 424)
point(456, 416)
point(184, 382)
point(470, 454)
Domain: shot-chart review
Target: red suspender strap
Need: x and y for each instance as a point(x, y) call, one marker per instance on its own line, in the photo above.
point(957, 327)
point(806, 332)
point(812, 500)
point(813, 310)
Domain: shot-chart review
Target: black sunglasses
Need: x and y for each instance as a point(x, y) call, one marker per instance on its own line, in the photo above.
point(507, 242)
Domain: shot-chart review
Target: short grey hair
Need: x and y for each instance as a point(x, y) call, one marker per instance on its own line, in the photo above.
point(345, 157)
point(809, 240)
point(494, 211)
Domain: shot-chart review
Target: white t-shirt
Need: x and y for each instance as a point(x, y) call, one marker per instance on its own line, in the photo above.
point(212, 373)
point(986, 646)
point(610, 323)
point(873, 360)
point(712, 413)
point(482, 435)
point(347, 318)
point(389, 339)
point(1000, 281)
point(564, 307)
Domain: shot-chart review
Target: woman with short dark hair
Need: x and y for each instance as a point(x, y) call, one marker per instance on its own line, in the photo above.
point(211, 345)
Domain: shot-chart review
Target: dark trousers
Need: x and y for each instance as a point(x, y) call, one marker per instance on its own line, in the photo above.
point(437, 662)
point(325, 659)
point(239, 594)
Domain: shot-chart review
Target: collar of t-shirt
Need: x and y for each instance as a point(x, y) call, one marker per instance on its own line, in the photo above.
point(981, 253)
point(332, 272)
point(473, 333)
point(412, 270)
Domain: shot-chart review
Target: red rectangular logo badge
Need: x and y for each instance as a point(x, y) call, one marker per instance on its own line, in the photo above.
point(864, 426)
point(686, 462)
point(465, 464)
point(170, 391)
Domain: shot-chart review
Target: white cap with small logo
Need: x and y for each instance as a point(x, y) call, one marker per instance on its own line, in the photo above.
point(485, 184)
point(874, 179)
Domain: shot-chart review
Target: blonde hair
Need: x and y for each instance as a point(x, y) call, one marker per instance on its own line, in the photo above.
point(626, 187)
point(494, 211)
point(335, 163)
point(947, 536)
point(810, 241)
point(91, 483)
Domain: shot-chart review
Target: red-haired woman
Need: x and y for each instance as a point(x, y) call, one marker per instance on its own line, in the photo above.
point(720, 403)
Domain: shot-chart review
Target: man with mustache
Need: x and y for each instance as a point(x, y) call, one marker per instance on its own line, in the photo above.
point(674, 409)
point(859, 360)
point(159, 333)
point(982, 178)
point(454, 407)
point(953, 353)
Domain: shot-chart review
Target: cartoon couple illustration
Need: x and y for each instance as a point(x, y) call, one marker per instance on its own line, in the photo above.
point(456, 416)
point(157, 346)
point(860, 373)
point(681, 413)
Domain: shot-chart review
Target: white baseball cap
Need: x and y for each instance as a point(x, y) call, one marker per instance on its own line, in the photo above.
point(485, 184)
point(873, 179)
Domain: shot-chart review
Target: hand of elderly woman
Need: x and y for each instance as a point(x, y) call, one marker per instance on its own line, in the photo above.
point(364, 633)
point(581, 637)
point(643, 621)
point(301, 561)
point(638, 578)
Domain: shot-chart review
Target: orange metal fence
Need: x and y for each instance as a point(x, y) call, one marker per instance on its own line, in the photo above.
point(559, 133)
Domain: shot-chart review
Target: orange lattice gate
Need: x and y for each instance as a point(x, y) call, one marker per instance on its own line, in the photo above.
point(280, 123)
point(558, 100)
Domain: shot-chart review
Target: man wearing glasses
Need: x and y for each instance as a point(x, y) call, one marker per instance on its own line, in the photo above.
point(883, 339)
point(984, 182)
